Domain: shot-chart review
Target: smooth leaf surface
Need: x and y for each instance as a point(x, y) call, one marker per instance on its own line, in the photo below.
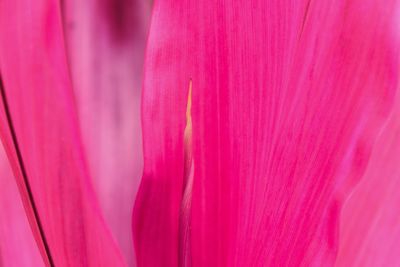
point(105, 45)
point(39, 95)
point(370, 223)
point(17, 244)
point(288, 99)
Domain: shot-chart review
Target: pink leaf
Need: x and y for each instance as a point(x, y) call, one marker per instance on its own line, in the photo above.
point(288, 99)
point(17, 245)
point(370, 225)
point(158, 209)
point(105, 44)
point(39, 97)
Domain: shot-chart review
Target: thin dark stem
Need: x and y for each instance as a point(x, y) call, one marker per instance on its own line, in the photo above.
point(24, 174)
